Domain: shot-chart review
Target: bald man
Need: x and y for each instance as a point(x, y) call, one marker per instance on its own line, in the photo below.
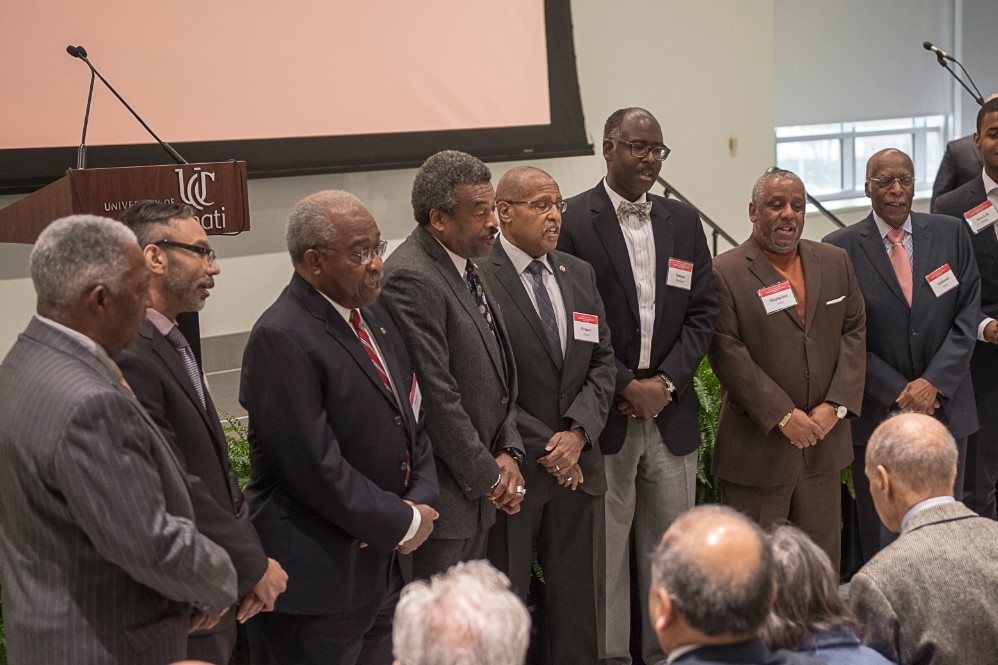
point(931, 596)
point(712, 586)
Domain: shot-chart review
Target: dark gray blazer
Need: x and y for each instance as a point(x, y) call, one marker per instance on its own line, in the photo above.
point(468, 381)
point(933, 338)
point(961, 163)
point(932, 595)
point(548, 401)
point(100, 556)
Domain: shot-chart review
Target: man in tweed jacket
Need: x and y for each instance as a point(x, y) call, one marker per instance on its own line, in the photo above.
point(931, 597)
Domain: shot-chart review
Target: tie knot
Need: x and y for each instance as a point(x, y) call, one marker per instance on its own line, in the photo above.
point(535, 267)
point(177, 339)
point(469, 267)
point(895, 235)
point(640, 210)
point(355, 318)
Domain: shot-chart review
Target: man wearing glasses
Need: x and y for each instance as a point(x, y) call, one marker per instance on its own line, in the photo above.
point(457, 340)
point(922, 290)
point(653, 270)
point(566, 373)
point(343, 472)
point(164, 375)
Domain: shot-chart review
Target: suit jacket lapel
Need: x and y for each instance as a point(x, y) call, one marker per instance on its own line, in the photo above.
point(459, 286)
point(510, 281)
point(873, 247)
point(390, 355)
point(339, 330)
point(760, 266)
point(921, 239)
point(811, 265)
point(663, 232)
point(608, 228)
point(566, 284)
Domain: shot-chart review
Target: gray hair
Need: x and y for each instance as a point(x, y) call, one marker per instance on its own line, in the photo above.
point(807, 591)
point(149, 220)
point(437, 180)
point(712, 602)
point(310, 222)
point(76, 253)
point(771, 174)
point(917, 450)
point(466, 616)
point(611, 130)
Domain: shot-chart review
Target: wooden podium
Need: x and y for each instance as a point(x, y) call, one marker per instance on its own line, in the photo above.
point(215, 190)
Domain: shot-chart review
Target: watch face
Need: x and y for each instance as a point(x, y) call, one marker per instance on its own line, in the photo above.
point(841, 412)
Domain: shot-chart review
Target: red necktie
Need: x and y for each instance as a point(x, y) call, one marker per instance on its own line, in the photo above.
point(900, 262)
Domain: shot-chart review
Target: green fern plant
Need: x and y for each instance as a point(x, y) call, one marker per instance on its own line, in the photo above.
point(237, 439)
point(708, 391)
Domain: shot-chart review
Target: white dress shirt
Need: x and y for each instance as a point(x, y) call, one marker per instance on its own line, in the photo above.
point(520, 261)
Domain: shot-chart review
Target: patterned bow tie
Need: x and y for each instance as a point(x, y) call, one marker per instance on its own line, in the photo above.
point(639, 210)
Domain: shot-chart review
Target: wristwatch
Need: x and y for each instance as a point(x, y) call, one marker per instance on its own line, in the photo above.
point(515, 454)
point(669, 385)
point(840, 411)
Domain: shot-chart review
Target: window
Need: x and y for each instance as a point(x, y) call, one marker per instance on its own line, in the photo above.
point(831, 158)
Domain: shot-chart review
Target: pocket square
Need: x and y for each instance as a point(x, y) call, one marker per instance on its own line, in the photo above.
point(836, 300)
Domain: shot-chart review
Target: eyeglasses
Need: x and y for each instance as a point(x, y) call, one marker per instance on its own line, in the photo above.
point(542, 206)
point(206, 252)
point(365, 256)
point(888, 181)
point(638, 149)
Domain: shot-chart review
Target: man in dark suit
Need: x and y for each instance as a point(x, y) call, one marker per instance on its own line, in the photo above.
point(961, 163)
point(930, 596)
point(790, 352)
point(966, 203)
point(565, 369)
point(653, 270)
point(454, 330)
point(342, 468)
point(100, 556)
point(922, 291)
point(163, 373)
point(712, 585)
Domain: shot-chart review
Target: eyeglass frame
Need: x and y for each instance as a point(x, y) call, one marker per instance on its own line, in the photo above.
point(879, 182)
point(644, 149)
point(364, 256)
point(561, 205)
point(206, 252)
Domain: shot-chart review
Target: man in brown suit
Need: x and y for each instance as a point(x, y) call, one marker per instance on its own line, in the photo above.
point(790, 352)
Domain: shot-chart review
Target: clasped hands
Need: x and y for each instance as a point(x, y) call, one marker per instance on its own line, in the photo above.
point(919, 396)
point(807, 429)
point(644, 398)
point(508, 493)
point(562, 458)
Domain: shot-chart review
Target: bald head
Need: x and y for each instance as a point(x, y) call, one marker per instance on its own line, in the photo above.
point(519, 182)
point(715, 565)
point(918, 453)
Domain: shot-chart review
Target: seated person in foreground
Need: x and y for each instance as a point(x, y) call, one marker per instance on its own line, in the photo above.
point(808, 614)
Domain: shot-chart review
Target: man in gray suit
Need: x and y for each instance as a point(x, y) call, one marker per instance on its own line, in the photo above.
point(456, 338)
point(566, 371)
point(102, 561)
point(930, 597)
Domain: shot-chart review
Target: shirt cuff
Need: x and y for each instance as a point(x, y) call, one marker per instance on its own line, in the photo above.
point(414, 527)
point(980, 328)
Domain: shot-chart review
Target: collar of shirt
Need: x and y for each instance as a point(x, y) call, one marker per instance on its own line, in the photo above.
point(341, 310)
point(520, 259)
point(88, 342)
point(159, 320)
point(459, 263)
point(886, 228)
point(681, 651)
point(922, 505)
point(616, 199)
point(989, 185)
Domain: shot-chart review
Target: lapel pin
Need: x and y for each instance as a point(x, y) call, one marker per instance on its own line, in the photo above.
point(561, 268)
point(383, 331)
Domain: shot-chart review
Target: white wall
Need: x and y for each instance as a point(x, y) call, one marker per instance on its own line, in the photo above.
point(703, 68)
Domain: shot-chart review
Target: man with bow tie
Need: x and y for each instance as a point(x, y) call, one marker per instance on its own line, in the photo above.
point(653, 272)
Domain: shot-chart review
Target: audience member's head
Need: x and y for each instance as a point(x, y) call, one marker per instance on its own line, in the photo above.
point(89, 275)
point(909, 458)
point(335, 246)
point(177, 253)
point(466, 616)
point(453, 199)
point(890, 184)
point(807, 591)
point(712, 579)
point(777, 210)
point(529, 206)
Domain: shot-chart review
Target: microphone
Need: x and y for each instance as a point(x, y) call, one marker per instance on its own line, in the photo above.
point(929, 46)
point(81, 152)
point(81, 53)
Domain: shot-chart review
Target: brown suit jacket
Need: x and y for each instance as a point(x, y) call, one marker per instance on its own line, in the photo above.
point(769, 364)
